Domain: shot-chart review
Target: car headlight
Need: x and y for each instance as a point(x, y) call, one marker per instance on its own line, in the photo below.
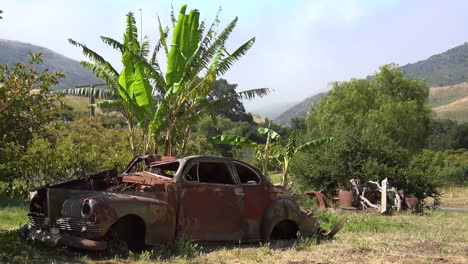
point(87, 209)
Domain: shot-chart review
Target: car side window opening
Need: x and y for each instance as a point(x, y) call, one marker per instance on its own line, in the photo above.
point(210, 172)
point(166, 169)
point(246, 174)
point(192, 175)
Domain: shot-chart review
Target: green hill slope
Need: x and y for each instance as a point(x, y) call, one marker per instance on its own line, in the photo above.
point(447, 68)
point(15, 51)
point(299, 110)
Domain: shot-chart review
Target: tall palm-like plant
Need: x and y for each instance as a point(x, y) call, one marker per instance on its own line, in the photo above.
point(165, 105)
point(277, 149)
point(194, 61)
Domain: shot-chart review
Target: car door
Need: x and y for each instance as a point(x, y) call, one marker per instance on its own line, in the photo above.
point(211, 202)
point(256, 200)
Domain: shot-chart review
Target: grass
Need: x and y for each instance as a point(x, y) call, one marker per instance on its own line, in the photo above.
point(275, 177)
point(79, 103)
point(457, 110)
point(432, 237)
point(439, 96)
point(455, 196)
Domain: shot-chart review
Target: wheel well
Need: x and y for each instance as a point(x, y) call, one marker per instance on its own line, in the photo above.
point(131, 229)
point(286, 229)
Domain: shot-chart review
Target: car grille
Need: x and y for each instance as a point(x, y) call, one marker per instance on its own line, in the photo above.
point(71, 208)
point(37, 220)
point(77, 225)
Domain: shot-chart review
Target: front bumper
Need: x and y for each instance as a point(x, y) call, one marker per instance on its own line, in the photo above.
point(34, 234)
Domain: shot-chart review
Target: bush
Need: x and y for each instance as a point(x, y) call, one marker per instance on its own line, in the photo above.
point(64, 150)
point(378, 126)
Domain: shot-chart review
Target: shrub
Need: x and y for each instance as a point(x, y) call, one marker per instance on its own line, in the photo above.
point(64, 150)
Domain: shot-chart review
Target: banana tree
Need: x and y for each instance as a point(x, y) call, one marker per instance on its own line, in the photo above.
point(166, 105)
point(134, 94)
point(277, 149)
point(194, 61)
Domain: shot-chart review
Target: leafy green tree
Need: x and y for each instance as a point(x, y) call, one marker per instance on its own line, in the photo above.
point(447, 134)
point(232, 107)
point(378, 125)
point(390, 104)
point(166, 105)
point(298, 123)
point(26, 105)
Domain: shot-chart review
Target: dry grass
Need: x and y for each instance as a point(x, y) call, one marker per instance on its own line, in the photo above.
point(402, 238)
point(455, 197)
point(79, 103)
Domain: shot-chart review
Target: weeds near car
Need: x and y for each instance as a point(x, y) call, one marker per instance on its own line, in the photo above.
point(182, 248)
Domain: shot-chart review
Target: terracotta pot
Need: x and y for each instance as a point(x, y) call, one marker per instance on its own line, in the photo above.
point(345, 199)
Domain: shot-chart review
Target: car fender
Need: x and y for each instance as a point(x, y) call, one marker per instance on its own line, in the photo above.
point(286, 209)
point(158, 216)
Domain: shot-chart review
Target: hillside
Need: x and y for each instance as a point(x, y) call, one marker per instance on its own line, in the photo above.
point(447, 68)
point(15, 51)
point(299, 110)
point(439, 96)
point(456, 110)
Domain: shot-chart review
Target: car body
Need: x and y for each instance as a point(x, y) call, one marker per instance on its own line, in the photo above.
point(160, 199)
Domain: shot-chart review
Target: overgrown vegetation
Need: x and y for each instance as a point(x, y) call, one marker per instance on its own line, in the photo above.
point(380, 127)
point(26, 105)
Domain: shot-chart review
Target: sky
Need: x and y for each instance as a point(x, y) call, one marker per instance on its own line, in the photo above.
point(301, 45)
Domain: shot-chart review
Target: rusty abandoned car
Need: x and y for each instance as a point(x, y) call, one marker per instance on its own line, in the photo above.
point(159, 199)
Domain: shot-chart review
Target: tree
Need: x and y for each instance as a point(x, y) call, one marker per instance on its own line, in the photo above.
point(26, 105)
point(165, 105)
point(233, 107)
point(378, 125)
point(447, 134)
point(390, 104)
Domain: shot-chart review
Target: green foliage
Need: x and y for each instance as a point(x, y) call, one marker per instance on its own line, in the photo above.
point(377, 126)
point(232, 107)
point(447, 134)
point(207, 128)
point(447, 68)
point(194, 61)
point(26, 105)
point(66, 150)
point(277, 150)
point(182, 248)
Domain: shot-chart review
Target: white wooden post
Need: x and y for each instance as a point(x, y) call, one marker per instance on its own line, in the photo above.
point(383, 200)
